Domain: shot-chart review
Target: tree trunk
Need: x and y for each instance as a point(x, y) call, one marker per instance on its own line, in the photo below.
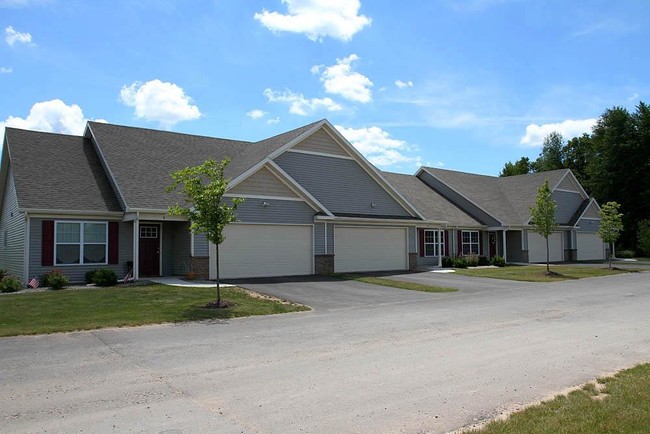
point(218, 288)
point(548, 266)
point(611, 245)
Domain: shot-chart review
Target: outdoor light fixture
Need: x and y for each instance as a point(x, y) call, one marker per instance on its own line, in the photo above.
point(373, 205)
point(265, 204)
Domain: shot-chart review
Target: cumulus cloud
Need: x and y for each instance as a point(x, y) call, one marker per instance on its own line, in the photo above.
point(569, 128)
point(275, 120)
point(159, 101)
point(317, 19)
point(298, 104)
point(377, 146)
point(256, 114)
point(52, 116)
point(341, 79)
point(6, 70)
point(12, 36)
point(403, 84)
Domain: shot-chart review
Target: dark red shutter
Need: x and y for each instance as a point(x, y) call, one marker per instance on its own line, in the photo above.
point(446, 243)
point(421, 235)
point(460, 243)
point(47, 243)
point(113, 242)
point(480, 242)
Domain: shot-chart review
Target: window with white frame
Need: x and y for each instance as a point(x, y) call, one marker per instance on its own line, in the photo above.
point(470, 243)
point(431, 242)
point(80, 243)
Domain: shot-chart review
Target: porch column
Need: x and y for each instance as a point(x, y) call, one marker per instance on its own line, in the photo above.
point(505, 247)
point(439, 247)
point(136, 248)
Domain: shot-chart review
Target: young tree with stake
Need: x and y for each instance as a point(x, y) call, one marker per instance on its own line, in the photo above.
point(202, 188)
point(611, 225)
point(543, 216)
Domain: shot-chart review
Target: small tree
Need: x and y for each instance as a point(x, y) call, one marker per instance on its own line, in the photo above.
point(611, 224)
point(203, 187)
point(543, 216)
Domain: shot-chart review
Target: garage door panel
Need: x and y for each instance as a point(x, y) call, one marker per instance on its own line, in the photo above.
point(264, 251)
point(590, 247)
point(537, 247)
point(369, 249)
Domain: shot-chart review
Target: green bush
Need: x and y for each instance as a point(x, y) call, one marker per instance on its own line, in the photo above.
point(643, 237)
point(105, 277)
point(90, 276)
point(3, 273)
point(471, 260)
point(483, 261)
point(459, 262)
point(10, 284)
point(498, 261)
point(447, 262)
point(55, 279)
point(625, 254)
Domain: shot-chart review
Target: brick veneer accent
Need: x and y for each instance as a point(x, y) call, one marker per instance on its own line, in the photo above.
point(324, 264)
point(413, 261)
point(200, 266)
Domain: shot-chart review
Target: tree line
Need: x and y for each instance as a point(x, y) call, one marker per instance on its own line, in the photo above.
point(612, 164)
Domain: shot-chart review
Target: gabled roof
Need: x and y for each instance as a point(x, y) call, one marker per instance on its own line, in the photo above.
point(506, 199)
point(141, 160)
point(432, 205)
point(58, 172)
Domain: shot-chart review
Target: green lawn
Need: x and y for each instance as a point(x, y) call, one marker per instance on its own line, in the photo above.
point(534, 273)
point(622, 405)
point(92, 308)
point(411, 286)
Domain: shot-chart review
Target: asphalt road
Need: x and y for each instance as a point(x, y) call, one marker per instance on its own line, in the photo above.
point(396, 362)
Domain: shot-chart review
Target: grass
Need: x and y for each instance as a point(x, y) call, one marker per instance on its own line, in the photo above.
point(619, 404)
point(534, 273)
point(93, 308)
point(411, 286)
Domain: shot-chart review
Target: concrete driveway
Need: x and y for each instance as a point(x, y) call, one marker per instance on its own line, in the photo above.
point(417, 363)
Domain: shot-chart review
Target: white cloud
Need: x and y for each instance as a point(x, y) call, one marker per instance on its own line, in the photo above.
point(317, 19)
point(52, 116)
point(22, 3)
point(12, 36)
point(403, 84)
point(6, 70)
point(298, 104)
point(256, 114)
point(275, 120)
point(569, 128)
point(340, 79)
point(377, 146)
point(158, 101)
point(633, 98)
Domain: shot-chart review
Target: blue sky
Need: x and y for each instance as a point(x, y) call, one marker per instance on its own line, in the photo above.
point(464, 85)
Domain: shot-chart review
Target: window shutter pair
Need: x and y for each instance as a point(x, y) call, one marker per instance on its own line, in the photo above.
point(47, 243)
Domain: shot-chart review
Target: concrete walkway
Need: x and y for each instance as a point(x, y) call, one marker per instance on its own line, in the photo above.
point(175, 281)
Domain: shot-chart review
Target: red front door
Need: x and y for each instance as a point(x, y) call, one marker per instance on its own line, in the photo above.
point(149, 250)
point(493, 243)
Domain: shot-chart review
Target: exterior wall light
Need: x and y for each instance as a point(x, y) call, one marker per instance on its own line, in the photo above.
point(265, 204)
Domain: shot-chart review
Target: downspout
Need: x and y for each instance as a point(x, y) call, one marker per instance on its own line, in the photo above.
point(136, 246)
point(26, 250)
point(505, 247)
point(440, 248)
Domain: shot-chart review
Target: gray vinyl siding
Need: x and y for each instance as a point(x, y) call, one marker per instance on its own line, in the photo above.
point(513, 244)
point(277, 211)
point(319, 239)
point(588, 225)
point(76, 273)
point(458, 200)
point(111, 181)
point(201, 246)
point(567, 205)
point(341, 185)
point(176, 245)
point(330, 238)
point(12, 226)
point(412, 240)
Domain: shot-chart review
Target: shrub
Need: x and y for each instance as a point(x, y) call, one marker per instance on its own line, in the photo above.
point(643, 237)
point(625, 254)
point(55, 279)
point(498, 261)
point(3, 273)
point(447, 262)
point(459, 262)
point(90, 276)
point(483, 261)
point(471, 260)
point(105, 277)
point(10, 284)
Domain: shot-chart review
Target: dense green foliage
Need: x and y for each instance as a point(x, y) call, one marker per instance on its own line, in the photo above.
point(543, 215)
point(643, 236)
point(105, 277)
point(10, 283)
point(55, 279)
point(611, 224)
point(612, 163)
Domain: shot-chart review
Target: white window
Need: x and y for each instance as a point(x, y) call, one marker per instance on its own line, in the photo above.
point(80, 243)
point(431, 242)
point(470, 243)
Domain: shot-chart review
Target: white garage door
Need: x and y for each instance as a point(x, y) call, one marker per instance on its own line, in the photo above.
point(369, 249)
point(537, 247)
point(263, 251)
point(590, 247)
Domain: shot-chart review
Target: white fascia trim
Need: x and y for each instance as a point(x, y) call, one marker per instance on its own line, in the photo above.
point(423, 169)
point(322, 154)
point(297, 188)
point(106, 165)
point(36, 212)
point(576, 182)
point(352, 220)
point(261, 196)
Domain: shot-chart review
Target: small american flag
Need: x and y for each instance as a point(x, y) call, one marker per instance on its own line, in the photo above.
point(34, 282)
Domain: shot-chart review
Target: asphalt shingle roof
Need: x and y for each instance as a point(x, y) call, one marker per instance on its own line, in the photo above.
point(507, 199)
point(58, 172)
point(430, 203)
